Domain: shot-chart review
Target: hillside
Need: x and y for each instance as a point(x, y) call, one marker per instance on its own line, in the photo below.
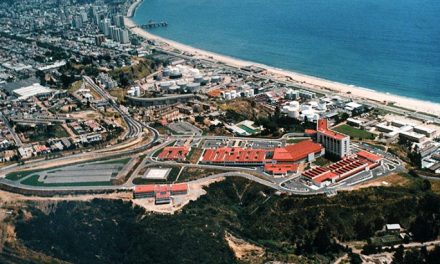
point(284, 228)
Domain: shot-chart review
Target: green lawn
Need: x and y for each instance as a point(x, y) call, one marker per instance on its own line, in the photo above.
point(295, 140)
point(248, 129)
point(55, 131)
point(354, 132)
point(17, 175)
point(321, 161)
point(386, 240)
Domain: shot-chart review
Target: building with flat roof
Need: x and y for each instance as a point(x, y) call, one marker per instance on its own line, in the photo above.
point(33, 90)
point(412, 136)
point(157, 173)
point(335, 143)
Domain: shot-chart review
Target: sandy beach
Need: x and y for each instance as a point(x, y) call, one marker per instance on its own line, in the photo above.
point(354, 92)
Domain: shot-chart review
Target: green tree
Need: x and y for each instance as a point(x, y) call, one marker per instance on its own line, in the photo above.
point(398, 255)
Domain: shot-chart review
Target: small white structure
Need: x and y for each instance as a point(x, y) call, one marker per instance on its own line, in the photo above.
point(393, 227)
point(157, 173)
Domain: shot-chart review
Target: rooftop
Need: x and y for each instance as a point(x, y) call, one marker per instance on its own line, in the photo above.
point(280, 168)
point(296, 152)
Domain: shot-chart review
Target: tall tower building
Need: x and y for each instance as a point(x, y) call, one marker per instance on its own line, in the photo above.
point(335, 143)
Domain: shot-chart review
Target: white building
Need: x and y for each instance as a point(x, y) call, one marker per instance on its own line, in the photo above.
point(335, 143)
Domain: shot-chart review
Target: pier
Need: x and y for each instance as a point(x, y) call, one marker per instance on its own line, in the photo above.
point(153, 24)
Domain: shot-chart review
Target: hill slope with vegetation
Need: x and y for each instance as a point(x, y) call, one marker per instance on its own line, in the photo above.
point(286, 227)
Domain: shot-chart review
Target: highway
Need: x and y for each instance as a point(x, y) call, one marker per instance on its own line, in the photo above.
point(134, 127)
point(17, 139)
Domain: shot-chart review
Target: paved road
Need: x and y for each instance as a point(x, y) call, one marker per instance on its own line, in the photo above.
point(134, 127)
point(11, 130)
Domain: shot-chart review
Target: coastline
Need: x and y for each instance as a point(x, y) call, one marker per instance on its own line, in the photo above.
point(315, 83)
point(132, 8)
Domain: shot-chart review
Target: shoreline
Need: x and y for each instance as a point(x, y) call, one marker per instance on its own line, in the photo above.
point(311, 82)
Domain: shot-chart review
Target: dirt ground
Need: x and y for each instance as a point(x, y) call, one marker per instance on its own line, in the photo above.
point(244, 250)
point(390, 180)
point(86, 115)
point(8, 197)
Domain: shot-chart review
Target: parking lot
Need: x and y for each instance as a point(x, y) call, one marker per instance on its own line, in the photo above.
point(263, 144)
point(82, 173)
point(185, 128)
point(216, 143)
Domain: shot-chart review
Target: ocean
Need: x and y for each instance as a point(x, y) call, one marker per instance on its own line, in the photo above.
point(390, 46)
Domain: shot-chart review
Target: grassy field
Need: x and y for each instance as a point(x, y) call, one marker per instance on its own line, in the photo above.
point(55, 131)
point(119, 93)
point(354, 132)
point(294, 140)
point(17, 175)
point(435, 186)
point(321, 161)
point(75, 87)
point(190, 174)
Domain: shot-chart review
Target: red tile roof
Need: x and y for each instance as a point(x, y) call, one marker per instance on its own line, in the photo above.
point(144, 188)
point(280, 168)
point(369, 156)
point(180, 187)
point(326, 176)
point(296, 152)
point(333, 134)
point(234, 155)
point(174, 153)
point(310, 131)
point(162, 188)
point(322, 127)
point(341, 169)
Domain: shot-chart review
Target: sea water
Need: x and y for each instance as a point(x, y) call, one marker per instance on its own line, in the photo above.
point(386, 45)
